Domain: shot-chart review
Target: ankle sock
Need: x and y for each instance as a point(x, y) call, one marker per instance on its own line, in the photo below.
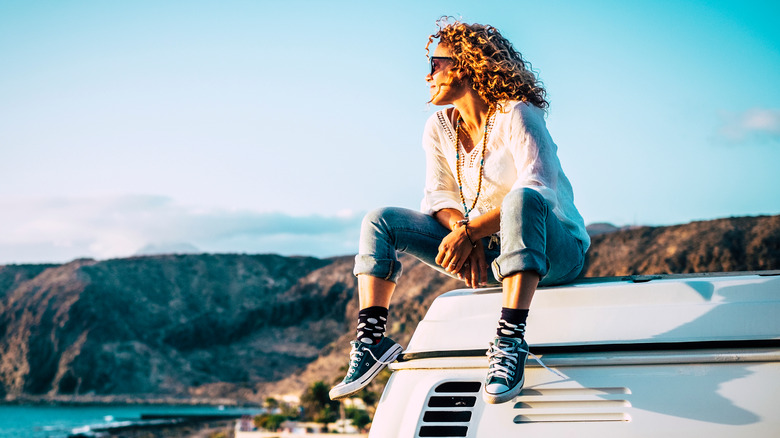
point(512, 323)
point(371, 324)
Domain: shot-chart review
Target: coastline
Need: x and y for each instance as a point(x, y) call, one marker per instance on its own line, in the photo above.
point(105, 400)
point(48, 419)
point(174, 427)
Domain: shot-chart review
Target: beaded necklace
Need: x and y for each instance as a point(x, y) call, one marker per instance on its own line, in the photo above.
point(486, 134)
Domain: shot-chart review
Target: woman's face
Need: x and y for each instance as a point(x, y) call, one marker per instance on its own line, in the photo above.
point(444, 86)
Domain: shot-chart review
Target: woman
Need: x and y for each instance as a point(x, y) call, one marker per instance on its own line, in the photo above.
point(495, 193)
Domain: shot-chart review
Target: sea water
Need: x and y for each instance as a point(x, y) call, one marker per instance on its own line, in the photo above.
point(25, 421)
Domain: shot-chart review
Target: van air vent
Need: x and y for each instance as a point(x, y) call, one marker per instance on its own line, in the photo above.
point(563, 405)
point(449, 415)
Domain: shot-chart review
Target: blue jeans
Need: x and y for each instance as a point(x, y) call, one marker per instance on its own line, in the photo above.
point(531, 239)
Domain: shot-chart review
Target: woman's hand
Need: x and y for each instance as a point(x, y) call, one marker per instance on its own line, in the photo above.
point(454, 250)
point(474, 271)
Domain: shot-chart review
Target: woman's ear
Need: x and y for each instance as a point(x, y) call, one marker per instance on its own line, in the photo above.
point(452, 79)
point(460, 76)
point(457, 78)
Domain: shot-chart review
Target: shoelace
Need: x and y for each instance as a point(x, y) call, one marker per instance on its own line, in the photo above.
point(503, 361)
point(392, 359)
point(498, 354)
point(356, 353)
point(354, 358)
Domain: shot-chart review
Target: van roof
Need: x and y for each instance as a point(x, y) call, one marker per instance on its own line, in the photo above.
point(628, 310)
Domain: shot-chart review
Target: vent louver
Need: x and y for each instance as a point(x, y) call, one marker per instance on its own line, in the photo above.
point(556, 405)
point(448, 410)
point(449, 407)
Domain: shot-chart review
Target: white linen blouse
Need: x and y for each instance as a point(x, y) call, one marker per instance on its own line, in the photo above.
point(520, 153)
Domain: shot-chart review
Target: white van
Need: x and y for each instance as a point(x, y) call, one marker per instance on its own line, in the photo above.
point(642, 356)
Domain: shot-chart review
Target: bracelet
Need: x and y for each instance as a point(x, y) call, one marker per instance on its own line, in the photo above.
point(473, 244)
point(465, 224)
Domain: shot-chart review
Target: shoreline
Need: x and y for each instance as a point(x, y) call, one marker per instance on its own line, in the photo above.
point(93, 400)
point(173, 426)
point(86, 420)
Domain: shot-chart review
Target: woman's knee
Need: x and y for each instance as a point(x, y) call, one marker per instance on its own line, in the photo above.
point(382, 217)
point(524, 199)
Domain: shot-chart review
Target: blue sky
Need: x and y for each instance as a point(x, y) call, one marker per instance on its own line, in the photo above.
point(252, 126)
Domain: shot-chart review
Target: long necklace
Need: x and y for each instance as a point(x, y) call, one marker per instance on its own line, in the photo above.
point(486, 134)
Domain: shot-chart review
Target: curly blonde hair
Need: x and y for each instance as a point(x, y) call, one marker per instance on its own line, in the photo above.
point(498, 71)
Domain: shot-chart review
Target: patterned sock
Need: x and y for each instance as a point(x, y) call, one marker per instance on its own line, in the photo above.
point(371, 324)
point(512, 323)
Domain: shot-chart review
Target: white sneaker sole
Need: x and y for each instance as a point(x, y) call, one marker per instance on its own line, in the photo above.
point(504, 397)
point(343, 390)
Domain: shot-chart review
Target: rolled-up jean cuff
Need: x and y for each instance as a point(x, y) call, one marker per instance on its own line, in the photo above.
point(525, 259)
point(386, 269)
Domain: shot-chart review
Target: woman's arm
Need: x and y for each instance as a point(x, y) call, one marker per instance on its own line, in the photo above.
point(448, 217)
point(479, 227)
point(485, 225)
point(534, 153)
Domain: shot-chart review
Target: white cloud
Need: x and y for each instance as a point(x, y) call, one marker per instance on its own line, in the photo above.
point(754, 125)
point(62, 229)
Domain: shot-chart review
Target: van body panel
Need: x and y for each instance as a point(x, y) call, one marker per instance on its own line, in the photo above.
point(672, 356)
point(675, 400)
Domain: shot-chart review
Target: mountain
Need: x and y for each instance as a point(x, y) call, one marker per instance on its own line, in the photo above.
point(149, 326)
point(722, 245)
point(603, 228)
point(241, 327)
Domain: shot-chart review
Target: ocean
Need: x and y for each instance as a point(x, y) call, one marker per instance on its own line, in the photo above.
point(35, 421)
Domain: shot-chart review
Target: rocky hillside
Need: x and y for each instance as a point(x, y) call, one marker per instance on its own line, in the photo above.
point(152, 326)
point(240, 327)
point(722, 245)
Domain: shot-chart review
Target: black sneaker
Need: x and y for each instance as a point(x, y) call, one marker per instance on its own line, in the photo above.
point(365, 362)
point(506, 369)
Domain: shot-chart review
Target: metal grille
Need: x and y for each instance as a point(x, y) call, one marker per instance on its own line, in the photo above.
point(448, 410)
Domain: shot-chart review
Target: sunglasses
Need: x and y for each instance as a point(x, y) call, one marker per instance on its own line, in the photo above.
point(436, 62)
